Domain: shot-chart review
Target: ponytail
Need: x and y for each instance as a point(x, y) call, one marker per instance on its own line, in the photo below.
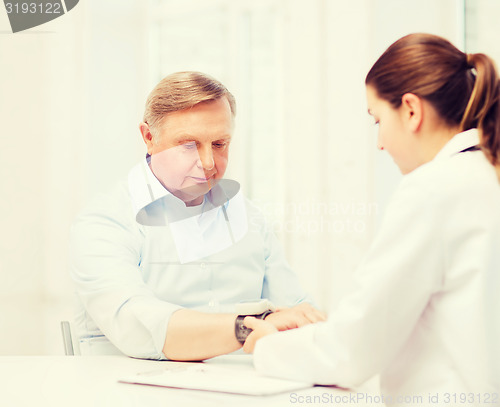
point(483, 108)
point(463, 88)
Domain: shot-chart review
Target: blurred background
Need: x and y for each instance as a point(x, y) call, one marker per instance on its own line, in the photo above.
point(72, 93)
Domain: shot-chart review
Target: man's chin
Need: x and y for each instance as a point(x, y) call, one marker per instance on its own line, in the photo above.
point(195, 192)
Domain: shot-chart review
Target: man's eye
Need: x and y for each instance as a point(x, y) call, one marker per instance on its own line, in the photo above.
point(190, 145)
point(220, 146)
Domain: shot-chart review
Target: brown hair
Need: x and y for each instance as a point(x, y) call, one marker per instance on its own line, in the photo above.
point(463, 88)
point(182, 90)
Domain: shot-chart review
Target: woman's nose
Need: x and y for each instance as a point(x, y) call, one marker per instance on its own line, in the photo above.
point(380, 146)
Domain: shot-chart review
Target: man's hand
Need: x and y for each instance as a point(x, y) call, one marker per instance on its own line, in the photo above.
point(260, 329)
point(295, 317)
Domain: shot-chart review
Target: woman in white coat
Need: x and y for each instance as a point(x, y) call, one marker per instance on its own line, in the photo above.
point(426, 314)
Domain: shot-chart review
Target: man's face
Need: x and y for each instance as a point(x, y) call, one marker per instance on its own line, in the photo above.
point(191, 152)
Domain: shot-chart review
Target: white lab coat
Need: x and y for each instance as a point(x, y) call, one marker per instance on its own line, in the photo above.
point(419, 316)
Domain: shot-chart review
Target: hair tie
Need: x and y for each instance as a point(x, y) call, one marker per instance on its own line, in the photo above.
point(469, 60)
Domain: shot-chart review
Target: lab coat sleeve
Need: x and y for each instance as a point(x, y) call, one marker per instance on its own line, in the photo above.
point(105, 257)
point(395, 279)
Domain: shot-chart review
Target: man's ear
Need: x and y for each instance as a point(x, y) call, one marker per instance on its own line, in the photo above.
point(147, 136)
point(412, 110)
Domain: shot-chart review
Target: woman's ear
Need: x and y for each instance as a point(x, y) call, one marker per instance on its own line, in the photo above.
point(412, 111)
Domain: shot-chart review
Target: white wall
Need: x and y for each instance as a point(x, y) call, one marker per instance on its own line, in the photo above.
point(482, 27)
point(41, 130)
point(71, 98)
point(72, 93)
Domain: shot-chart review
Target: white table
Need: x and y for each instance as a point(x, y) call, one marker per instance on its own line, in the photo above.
point(93, 381)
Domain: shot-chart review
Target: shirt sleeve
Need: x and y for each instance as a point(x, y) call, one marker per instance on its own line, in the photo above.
point(105, 253)
point(402, 268)
point(281, 285)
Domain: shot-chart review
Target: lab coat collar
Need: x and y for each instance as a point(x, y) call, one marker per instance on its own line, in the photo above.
point(458, 143)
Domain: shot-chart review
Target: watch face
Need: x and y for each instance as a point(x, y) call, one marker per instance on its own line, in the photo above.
point(241, 331)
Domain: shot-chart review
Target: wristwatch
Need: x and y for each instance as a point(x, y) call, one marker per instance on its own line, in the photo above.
point(255, 308)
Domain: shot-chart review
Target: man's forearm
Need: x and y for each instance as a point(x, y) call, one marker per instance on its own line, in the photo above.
point(193, 335)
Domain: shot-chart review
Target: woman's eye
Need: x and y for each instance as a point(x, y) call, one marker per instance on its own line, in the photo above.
point(219, 146)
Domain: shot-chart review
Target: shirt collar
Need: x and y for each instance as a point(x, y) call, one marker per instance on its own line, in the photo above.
point(145, 188)
point(458, 143)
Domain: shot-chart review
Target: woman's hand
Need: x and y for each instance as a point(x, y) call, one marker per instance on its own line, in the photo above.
point(260, 329)
point(281, 320)
point(295, 317)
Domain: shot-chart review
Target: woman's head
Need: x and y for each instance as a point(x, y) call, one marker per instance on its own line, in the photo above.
point(462, 88)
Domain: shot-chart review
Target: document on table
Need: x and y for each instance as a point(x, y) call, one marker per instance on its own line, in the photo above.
point(200, 376)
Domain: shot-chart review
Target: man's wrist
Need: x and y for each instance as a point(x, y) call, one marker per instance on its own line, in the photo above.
point(241, 331)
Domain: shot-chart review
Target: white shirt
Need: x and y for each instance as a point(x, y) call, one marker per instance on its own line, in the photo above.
point(420, 317)
point(138, 254)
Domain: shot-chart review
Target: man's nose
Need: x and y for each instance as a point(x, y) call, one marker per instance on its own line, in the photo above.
point(206, 158)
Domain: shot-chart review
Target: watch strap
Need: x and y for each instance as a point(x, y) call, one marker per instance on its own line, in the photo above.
point(241, 331)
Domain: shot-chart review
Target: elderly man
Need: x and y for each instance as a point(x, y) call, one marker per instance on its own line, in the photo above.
point(162, 260)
